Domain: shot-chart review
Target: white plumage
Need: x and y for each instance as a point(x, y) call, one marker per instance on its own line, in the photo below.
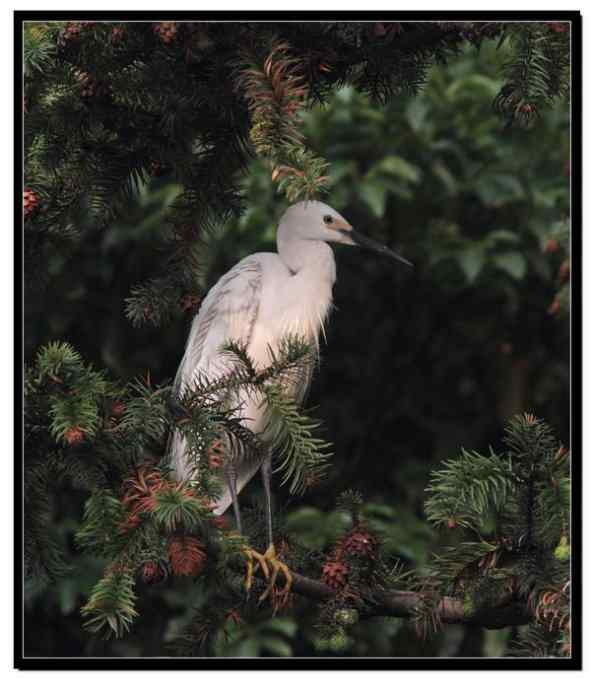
point(261, 300)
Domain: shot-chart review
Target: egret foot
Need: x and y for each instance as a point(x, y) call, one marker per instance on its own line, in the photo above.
point(260, 562)
point(277, 566)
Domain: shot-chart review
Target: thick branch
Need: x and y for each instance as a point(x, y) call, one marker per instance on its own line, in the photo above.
point(402, 604)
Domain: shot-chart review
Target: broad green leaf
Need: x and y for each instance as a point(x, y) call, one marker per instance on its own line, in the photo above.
point(374, 193)
point(512, 263)
point(379, 510)
point(445, 175)
point(498, 189)
point(395, 165)
point(476, 83)
point(287, 626)
point(276, 646)
point(471, 261)
point(416, 113)
point(502, 236)
point(249, 647)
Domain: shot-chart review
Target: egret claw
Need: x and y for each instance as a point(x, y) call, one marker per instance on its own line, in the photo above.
point(260, 559)
point(277, 567)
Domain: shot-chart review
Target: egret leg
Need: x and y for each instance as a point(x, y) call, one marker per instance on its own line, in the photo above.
point(270, 554)
point(250, 554)
point(266, 473)
point(232, 484)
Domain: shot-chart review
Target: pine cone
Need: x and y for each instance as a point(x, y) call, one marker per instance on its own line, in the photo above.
point(153, 573)
point(558, 27)
point(118, 409)
point(74, 436)
point(30, 202)
point(551, 246)
point(157, 169)
point(186, 555)
point(564, 271)
point(335, 574)
point(131, 522)
point(71, 32)
point(221, 522)
point(554, 308)
point(189, 303)
point(360, 542)
point(117, 34)
point(167, 31)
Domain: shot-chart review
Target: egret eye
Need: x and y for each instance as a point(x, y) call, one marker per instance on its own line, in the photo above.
point(328, 219)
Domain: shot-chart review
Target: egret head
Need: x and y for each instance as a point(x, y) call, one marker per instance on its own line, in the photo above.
point(314, 220)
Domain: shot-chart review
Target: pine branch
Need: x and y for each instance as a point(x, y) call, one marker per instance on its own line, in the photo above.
point(111, 607)
point(303, 457)
point(405, 604)
point(276, 92)
point(537, 73)
point(468, 490)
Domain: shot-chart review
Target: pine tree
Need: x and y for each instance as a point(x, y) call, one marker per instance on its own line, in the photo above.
point(108, 107)
point(516, 506)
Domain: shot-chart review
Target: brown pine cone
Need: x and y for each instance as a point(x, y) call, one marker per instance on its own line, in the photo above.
point(157, 169)
point(117, 34)
point(335, 574)
point(554, 308)
point(71, 32)
point(221, 522)
point(118, 409)
point(186, 555)
point(564, 270)
point(360, 542)
point(558, 27)
point(190, 304)
point(167, 31)
point(74, 436)
point(30, 202)
point(153, 573)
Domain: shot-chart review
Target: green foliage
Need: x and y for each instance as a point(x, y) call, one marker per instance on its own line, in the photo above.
point(112, 106)
point(518, 505)
point(102, 520)
point(174, 508)
point(302, 456)
point(77, 390)
point(128, 524)
point(156, 157)
point(272, 637)
point(110, 609)
point(276, 92)
point(44, 557)
point(468, 489)
point(39, 48)
point(537, 72)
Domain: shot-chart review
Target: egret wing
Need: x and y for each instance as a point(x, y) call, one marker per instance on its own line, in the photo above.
point(228, 313)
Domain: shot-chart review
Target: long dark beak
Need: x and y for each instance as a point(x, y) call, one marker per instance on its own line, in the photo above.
point(367, 243)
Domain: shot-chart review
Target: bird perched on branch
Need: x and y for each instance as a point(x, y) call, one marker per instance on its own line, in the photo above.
point(262, 300)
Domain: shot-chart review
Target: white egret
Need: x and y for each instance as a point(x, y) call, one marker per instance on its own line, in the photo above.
point(263, 299)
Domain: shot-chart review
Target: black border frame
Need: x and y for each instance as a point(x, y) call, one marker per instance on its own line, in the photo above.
point(302, 663)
